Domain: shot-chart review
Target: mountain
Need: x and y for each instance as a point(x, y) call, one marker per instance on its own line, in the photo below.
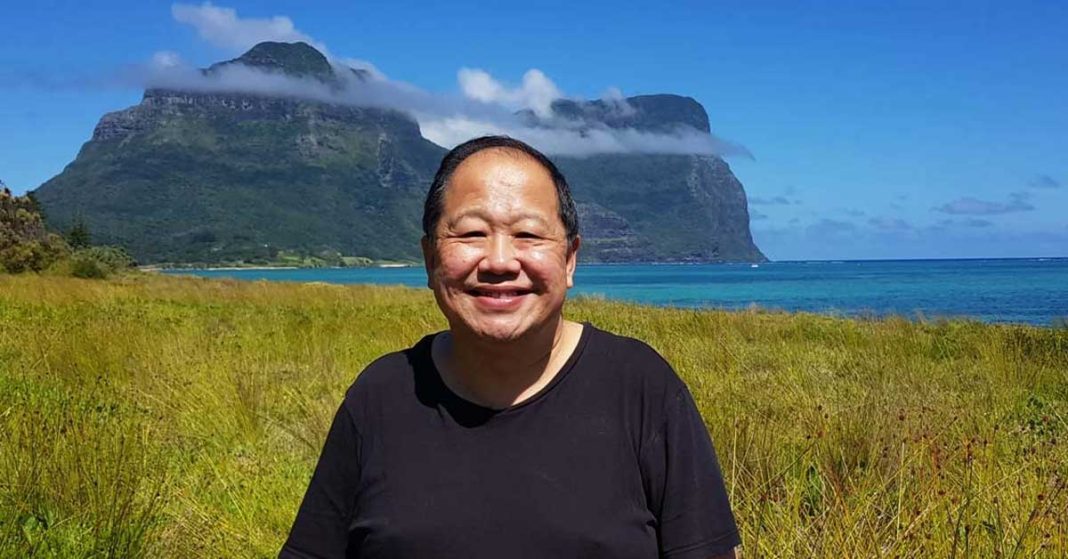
point(648, 113)
point(190, 176)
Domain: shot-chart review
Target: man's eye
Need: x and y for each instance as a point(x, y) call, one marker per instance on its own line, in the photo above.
point(472, 235)
point(527, 235)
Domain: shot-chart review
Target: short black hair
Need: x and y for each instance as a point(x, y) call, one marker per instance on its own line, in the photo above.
point(435, 197)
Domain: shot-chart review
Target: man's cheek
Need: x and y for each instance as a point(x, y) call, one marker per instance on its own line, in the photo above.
point(460, 258)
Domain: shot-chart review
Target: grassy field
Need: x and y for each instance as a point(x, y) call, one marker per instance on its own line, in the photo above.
point(172, 417)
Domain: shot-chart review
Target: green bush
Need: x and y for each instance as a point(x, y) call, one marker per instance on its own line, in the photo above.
point(25, 244)
point(82, 266)
point(111, 258)
point(93, 263)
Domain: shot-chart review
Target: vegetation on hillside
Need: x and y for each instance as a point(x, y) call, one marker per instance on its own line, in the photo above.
point(151, 416)
point(27, 246)
point(25, 243)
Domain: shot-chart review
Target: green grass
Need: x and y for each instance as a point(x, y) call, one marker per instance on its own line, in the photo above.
point(176, 417)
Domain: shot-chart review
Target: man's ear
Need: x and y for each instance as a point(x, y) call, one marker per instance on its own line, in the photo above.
point(429, 259)
point(572, 259)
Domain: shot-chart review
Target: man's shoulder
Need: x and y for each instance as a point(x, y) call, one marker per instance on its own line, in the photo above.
point(630, 359)
point(391, 372)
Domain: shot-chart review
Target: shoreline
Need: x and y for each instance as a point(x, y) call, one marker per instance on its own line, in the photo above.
point(168, 269)
point(225, 268)
point(774, 287)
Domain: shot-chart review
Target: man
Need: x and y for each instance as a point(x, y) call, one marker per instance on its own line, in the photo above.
point(515, 433)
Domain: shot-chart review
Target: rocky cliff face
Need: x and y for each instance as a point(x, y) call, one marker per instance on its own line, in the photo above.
point(209, 177)
point(657, 207)
point(661, 208)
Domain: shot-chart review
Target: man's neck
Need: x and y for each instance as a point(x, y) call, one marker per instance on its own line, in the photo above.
point(498, 375)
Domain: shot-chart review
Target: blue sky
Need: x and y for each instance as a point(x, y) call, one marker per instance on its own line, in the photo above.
point(878, 130)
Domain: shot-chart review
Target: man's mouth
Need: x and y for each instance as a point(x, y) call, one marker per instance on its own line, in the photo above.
point(499, 293)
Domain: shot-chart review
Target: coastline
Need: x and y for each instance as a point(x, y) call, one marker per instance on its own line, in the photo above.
point(225, 268)
point(986, 290)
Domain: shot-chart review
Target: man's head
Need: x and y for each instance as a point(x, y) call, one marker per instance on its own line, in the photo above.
point(460, 153)
point(501, 239)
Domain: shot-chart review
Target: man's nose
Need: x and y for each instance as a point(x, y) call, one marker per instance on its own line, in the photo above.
point(500, 257)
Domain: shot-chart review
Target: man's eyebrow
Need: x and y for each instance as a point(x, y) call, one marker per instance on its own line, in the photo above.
point(480, 214)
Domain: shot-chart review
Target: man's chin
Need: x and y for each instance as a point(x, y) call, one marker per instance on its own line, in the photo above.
point(501, 329)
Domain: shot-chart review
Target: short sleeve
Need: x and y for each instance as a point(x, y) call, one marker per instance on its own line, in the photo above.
point(684, 486)
point(321, 529)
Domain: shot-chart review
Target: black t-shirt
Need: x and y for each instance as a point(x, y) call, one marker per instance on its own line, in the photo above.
point(611, 459)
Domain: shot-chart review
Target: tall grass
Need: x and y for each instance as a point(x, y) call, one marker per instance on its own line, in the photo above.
point(173, 417)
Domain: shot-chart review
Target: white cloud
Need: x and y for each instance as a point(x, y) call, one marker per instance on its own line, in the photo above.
point(360, 64)
point(166, 59)
point(223, 28)
point(452, 130)
point(536, 93)
point(614, 98)
point(444, 120)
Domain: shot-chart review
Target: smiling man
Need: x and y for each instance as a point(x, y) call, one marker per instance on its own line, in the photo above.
point(515, 433)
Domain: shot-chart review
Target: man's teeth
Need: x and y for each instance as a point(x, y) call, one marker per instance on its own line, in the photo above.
point(499, 294)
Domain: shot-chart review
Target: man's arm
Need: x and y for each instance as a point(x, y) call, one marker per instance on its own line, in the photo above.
point(685, 487)
point(321, 528)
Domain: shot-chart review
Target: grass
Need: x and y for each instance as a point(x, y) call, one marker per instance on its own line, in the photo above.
point(150, 416)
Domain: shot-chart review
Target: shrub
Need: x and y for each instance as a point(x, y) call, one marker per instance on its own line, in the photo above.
point(112, 258)
point(82, 266)
point(25, 244)
point(94, 263)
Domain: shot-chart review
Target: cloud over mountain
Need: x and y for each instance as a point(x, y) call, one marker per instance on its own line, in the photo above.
point(484, 104)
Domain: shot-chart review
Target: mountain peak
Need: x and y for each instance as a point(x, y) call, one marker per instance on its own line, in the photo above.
point(296, 59)
point(650, 113)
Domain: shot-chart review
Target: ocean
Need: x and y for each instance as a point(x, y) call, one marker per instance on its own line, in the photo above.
point(1032, 290)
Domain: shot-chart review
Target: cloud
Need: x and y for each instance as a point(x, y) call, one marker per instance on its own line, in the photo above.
point(1018, 202)
point(889, 224)
point(444, 120)
point(166, 59)
point(615, 99)
point(452, 130)
point(973, 222)
point(223, 28)
point(536, 93)
point(755, 215)
point(830, 228)
point(360, 64)
point(1043, 181)
point(851, 212)
point(773, 201)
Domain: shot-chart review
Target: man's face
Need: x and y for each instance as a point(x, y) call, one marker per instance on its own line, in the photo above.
point(500, 264)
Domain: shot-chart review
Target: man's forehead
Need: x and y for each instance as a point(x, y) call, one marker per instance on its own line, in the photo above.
point(488, 191)
point(480, 162)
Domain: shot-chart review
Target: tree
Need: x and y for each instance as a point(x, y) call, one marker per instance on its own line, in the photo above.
point(25, 244)
point(36, 206)
point(79, 237)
